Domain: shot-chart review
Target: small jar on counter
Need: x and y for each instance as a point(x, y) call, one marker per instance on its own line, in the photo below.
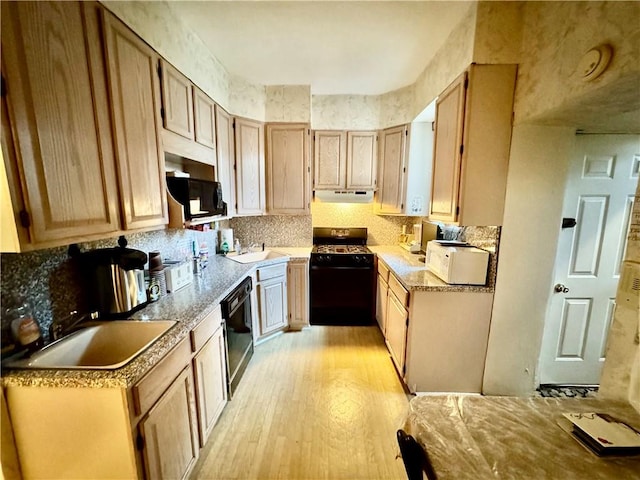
point(24, 327)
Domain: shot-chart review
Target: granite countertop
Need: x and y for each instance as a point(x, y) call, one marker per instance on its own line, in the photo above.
point(475, 436)
point(413, 274)
point(188, 306)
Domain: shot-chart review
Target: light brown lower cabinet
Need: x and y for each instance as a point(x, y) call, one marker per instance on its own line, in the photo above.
point(382, 294)
point(209, 369)
point(152, 430)
point(436, 339)
point(397, 322)
point(381, 304)
point(272, 300)
point(169, 432)
point(298, 294)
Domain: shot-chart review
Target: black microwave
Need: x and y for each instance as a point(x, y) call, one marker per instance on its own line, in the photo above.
point(200, 198)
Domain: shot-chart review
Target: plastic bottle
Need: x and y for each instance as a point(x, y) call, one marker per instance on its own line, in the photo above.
point(24, 327)
point(204, 255)
point(237, 247)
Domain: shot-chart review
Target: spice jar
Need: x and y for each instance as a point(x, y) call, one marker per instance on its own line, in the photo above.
point(24, 327)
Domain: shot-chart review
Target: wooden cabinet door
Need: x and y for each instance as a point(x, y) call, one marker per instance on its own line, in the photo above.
point(133, 82)
point(211, 383)
point(392, 171)
point(396, 331)
point(381, 304)
point(272, 300)
point(250, 174)
point(298, 294)
point(177, 101)
point(288, 189)
point(329, 159)
point(170, 432)
point(447, 154)
point(362, 160)
point(204, 118)
point(226, 158)
point(56, 89)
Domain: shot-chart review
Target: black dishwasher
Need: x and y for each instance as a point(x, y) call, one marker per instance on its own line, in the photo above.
point(236, 312)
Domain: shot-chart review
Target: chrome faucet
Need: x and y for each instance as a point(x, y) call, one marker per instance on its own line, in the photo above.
point(60, 328)
point(255, 247)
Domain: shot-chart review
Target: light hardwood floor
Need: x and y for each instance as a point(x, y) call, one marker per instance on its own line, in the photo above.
point(323, 403)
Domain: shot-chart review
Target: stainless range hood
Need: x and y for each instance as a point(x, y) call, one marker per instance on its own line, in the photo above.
point(343, 196)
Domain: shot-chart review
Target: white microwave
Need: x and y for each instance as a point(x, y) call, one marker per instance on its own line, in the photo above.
point(457, 265)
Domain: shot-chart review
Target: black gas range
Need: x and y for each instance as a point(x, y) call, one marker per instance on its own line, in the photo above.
point(342, 277)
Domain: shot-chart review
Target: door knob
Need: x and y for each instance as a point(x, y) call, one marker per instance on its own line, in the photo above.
point(560, 288)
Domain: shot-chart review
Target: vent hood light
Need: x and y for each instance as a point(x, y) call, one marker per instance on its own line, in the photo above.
point(343, 196)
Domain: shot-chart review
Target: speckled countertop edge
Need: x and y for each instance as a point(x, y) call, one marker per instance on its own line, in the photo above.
point(188, 306)
point(413, 274)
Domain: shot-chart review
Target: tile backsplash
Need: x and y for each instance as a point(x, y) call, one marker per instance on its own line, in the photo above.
point(273, 230)
point(382, 229)
point(50, 280)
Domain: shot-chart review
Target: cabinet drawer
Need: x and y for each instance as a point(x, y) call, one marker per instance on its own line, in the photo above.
point(147, 391)
point(400, 292)
point(265, 273)
point(205, 329)
point(383, 271)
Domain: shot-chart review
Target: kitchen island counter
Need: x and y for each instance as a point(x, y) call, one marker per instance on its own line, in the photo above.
point(413, 274)
point(473, 436)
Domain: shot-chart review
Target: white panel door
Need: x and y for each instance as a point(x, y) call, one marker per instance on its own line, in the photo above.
point(599, 194)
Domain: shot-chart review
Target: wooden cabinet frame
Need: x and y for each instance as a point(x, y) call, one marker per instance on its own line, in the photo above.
point(56, 124)
point(135, 99)
point(392, 170)
point(471, 146)
point(345, 160)
point(288, 170)
point(250, 167)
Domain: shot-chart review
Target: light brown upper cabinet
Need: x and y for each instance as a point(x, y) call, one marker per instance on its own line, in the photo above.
point(177, 101)
point(471, 146)
point(204, 118)
point(56, 131)
point(250, 168)
point(390, 196)
point(288, 170)
point(135, 99)
point(329, 159)
point(226, 158)
point(188, 117)
point(362, 160)
point(345, 160)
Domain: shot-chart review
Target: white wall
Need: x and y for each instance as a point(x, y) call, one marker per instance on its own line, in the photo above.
point(533, 209)
point(160, 28)
point(555, 37)
point(553, 40)
point(155, 22)
point(288, 103)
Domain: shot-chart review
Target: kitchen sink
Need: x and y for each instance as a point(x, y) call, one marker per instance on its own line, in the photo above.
point(256, 256)
point(107, 346)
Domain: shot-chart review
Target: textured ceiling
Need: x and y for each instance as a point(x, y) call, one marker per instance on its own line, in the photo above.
point(336, 47)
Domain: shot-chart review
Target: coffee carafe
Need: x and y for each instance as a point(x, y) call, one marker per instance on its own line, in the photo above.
point(115, 278)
